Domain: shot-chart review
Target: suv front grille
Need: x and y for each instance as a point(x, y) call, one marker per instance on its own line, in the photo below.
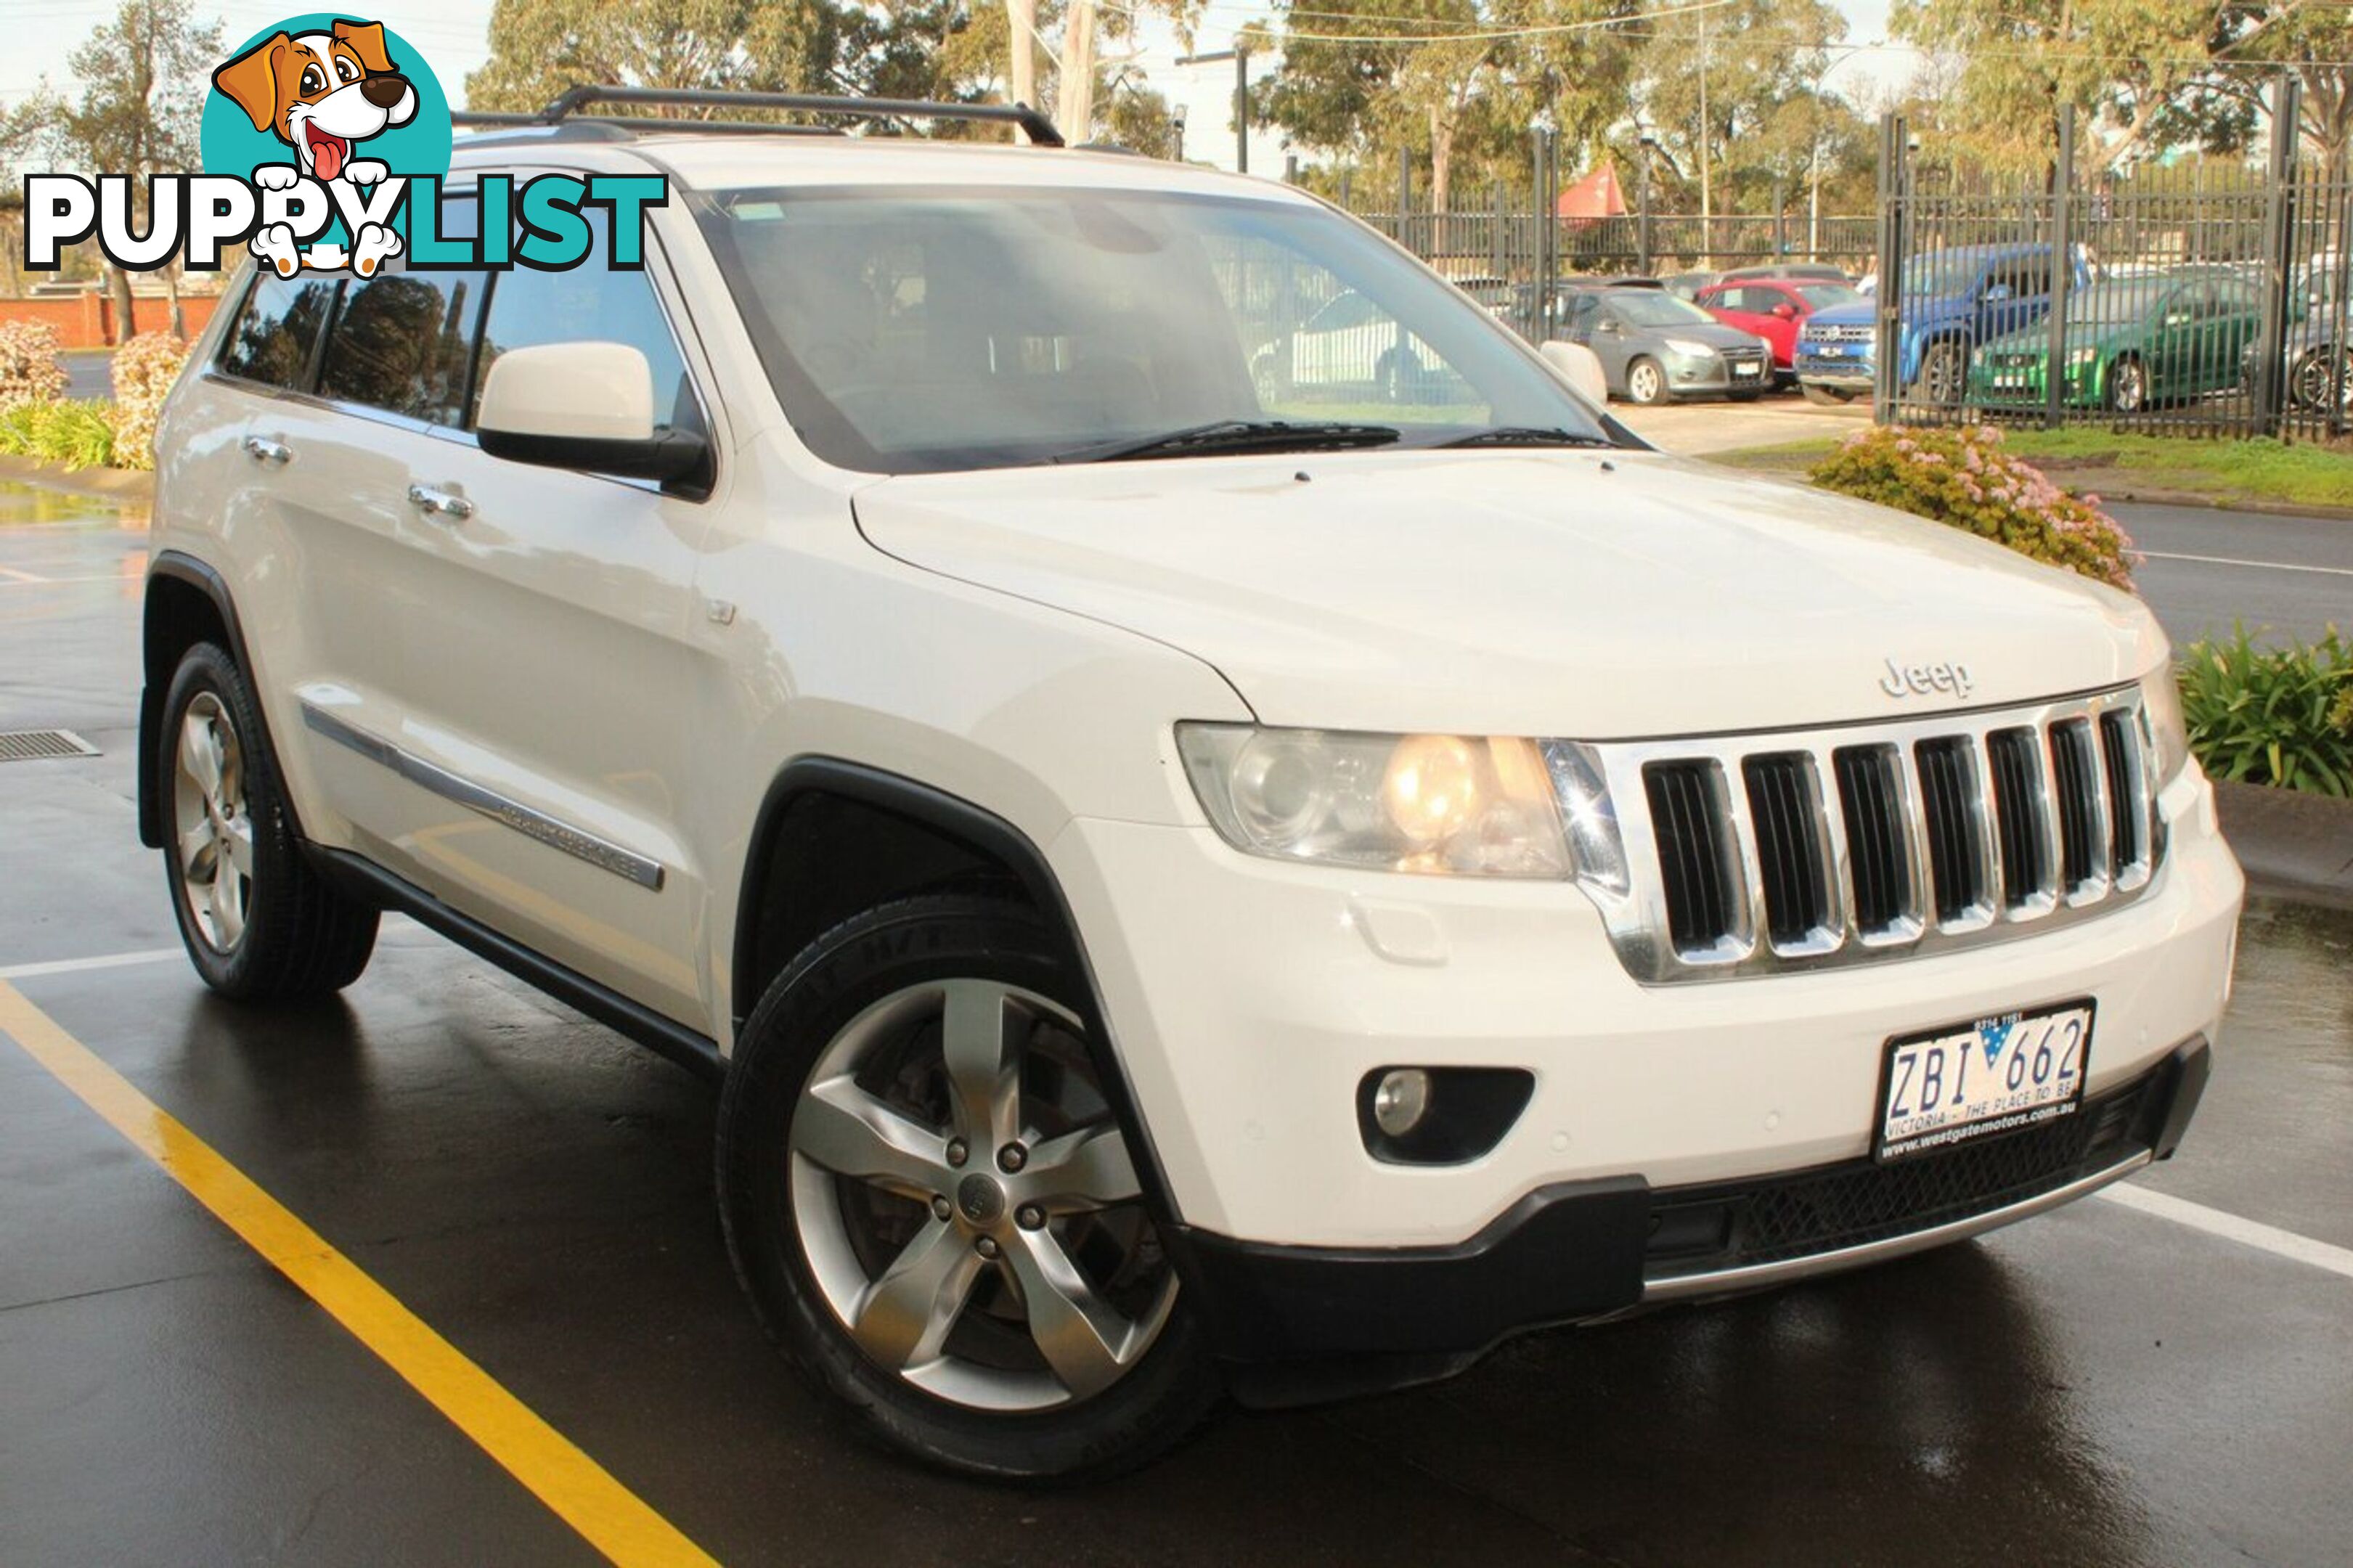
point(1834, 846)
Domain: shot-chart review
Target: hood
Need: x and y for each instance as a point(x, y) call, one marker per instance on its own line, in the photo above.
point(1716, 334)
point(1528, 594)
point(1862, 313)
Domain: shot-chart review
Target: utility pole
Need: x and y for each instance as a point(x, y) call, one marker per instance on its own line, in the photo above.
point(1707, 133)
point(1076, 115)
point(1240, 56)
point(1021, 16)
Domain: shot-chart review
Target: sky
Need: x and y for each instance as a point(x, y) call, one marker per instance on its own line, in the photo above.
point(452, 34)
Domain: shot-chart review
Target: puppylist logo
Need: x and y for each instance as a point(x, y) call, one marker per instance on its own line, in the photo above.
point(326, 144)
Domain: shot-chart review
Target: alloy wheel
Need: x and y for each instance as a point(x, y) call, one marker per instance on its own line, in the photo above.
point(1644, 382)
point(1941, 374)
point(2132, 387)
point(966, 1203)
point(214, 827)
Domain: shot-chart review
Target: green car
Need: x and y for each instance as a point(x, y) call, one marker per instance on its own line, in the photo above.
point(2131, 343)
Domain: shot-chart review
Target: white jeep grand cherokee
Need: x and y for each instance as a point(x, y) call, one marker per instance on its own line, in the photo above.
point(1189, 879)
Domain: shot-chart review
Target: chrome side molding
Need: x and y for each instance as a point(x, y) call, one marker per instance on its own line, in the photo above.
point(556, 833)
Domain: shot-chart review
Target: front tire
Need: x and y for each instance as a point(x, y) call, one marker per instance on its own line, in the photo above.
point(2128, 387)
point(1825, 397)
point(260, 923)
point(1941, 369)
point(934, 1208)
point(1646, 382)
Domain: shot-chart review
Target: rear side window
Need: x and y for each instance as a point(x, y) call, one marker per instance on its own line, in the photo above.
point(401, 342)
point(277, 330)
point(590, 303)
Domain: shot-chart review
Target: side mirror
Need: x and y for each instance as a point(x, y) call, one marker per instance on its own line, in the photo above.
point(588, 406)
point(1786, 310)
point(1580, 367)
point(1995, 293)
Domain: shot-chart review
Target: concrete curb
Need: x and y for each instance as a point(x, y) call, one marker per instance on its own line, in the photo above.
point(2210, 501)
point(2291, 843)
point(129, 486)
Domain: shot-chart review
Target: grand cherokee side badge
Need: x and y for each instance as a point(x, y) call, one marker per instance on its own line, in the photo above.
point(1920, 679)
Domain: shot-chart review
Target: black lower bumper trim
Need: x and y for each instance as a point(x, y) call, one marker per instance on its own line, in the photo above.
point(1301, 1323)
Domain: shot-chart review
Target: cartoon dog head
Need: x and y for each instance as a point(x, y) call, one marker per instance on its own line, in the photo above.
point(321, 92)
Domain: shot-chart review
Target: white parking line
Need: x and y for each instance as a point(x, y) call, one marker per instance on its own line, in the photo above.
point(75, 965)
point(2263, 566)
point(2231, 1227)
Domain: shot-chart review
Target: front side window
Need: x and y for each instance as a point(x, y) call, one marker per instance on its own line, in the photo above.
point(590, 303)
point(915, 330)
point(278, 329)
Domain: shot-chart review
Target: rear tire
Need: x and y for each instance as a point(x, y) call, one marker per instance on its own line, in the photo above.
point(258, 921)
point(861, 1141)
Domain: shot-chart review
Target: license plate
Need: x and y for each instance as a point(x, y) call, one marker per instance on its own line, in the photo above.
point(1745, 370)
point(1830, 351)
point(1968, 1081)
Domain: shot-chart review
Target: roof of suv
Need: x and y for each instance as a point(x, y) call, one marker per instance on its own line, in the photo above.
point(752, 159)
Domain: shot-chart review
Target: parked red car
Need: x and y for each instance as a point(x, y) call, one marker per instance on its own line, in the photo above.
point(1774, 309)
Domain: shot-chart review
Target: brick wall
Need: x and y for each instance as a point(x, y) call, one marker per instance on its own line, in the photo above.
point(86, 321)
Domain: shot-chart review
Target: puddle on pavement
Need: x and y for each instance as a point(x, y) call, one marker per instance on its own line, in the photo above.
point(2295, 974)
point(22, 505)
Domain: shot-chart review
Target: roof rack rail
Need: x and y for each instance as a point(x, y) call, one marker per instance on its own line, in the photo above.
point(564, 110)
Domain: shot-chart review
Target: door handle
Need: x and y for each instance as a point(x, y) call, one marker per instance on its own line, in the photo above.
point(262, 449)
point(440, 503)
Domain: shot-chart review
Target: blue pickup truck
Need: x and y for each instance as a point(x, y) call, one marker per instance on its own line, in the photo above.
point(1952, 300)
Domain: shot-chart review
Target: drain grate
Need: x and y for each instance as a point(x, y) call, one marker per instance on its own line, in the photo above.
point(24, 745)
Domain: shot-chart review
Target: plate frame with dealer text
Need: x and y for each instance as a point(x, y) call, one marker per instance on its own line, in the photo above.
point(1885, 1152)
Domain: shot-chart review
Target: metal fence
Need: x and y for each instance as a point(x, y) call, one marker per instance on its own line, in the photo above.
point(1500, 244)
point(2198, 300)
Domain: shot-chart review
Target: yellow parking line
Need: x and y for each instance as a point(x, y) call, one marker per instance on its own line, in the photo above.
point(613, 1519)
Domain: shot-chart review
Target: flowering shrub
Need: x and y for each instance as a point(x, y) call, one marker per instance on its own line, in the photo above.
point(31, 371)
point(144, 369)
point(1962, 477)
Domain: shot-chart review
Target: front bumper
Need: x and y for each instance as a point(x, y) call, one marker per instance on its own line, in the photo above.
point(1299, 1323)
point(1844, 370)
point(2028, 385)
point(1714, 374)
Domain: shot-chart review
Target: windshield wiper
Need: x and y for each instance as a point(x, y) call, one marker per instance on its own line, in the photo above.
point(1526, 436)
point(1235, 436)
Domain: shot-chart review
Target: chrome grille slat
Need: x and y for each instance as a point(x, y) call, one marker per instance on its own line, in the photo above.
point(1862, 843)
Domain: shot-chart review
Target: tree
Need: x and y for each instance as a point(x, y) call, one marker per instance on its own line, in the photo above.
point(918, 49)
point(2140, 73)
point(143, 77)
point(1441, 78)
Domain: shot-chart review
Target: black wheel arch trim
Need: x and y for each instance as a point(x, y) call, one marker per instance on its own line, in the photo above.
point(181, 567)
point(994, 836)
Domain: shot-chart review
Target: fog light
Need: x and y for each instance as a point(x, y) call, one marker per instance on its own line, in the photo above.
point(1400, 1100)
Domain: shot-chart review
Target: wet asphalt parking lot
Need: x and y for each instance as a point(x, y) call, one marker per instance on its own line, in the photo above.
point(2163, 1377)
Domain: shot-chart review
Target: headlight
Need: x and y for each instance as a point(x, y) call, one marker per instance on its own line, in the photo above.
point(2160, 700)
point(1685, 346)
point(2082, 355)
point(1439, 804)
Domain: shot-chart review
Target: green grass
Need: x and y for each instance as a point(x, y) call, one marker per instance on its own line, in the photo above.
point(2102, 461)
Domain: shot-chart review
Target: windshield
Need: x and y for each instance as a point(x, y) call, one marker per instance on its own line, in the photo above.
point(2119, 298)
point(1657, 308)
point(912, 329)
point(1940, 272)
point(1822, 295)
